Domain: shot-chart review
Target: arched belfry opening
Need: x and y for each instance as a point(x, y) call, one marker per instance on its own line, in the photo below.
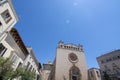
point(74, 73)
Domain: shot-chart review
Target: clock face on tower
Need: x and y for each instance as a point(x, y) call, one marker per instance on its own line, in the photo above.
point(73, 57)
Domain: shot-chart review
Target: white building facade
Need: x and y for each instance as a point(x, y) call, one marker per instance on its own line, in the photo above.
point(8, 17)
point(11, 44)
point(13, 47)
point(32, 64)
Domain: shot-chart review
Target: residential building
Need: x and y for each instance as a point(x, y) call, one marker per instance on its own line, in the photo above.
point(13, 47)
point(32, 64)
point(11, 44)
point(94, 74)
point(8, 17)
point(110, 63)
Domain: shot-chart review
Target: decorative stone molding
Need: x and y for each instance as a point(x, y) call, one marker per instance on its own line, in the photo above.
point(73, 58)
point(70, 46)
point(74, 72)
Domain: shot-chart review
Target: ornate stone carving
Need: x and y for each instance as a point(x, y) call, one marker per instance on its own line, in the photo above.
point(73, 57)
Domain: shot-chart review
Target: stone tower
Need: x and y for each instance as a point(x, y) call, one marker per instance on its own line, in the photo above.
point(70, 62)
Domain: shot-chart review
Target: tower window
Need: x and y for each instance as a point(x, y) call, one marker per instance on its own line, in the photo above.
point(68, 47)
point(6, 16)
point(64, 46)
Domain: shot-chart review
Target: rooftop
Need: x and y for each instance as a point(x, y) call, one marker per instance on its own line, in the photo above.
point(18, 40)
point(112, 52)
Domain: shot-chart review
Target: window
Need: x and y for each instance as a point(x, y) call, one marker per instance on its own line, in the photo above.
point(114, 65)
point(74, 77)
point(74, 48)
point(114, 57)
point(118, 57)
point(33, 70)
point(65, 47)
point(105, 66)
point(19, 65)
point(30, 68)
point(91, 73)
point(69, 47)
point(13, 58)
point(73, 57)
point(2, 1)
point(0, 24)
point(2, 49)
point(81, 49)
point(118, 72)
point(97, 73)
point(61, 46)
point(109, 59)
point(28, 64)
point(102, 61)
point(6, 16)
point(75, 73)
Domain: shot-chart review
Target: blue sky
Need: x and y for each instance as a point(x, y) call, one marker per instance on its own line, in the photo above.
point(95, 24)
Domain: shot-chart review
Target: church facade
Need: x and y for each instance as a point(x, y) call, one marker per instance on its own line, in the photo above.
point(69, 64)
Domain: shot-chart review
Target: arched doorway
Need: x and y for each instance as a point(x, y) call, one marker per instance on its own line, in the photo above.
point(74, 73)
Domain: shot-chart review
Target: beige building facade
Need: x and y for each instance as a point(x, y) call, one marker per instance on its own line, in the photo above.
point(46, 72)
point(94, 74)
point(69, 64)
point(110, 63)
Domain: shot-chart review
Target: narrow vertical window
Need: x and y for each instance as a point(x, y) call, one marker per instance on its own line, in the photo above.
point(30, 68)
point(19, 65)
point(91, 73)
point(97, 73)
point(2, 49)
point(14, 58)
point(0, 24)
point(1, 28)
point(28, 64)
point(6, 16)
